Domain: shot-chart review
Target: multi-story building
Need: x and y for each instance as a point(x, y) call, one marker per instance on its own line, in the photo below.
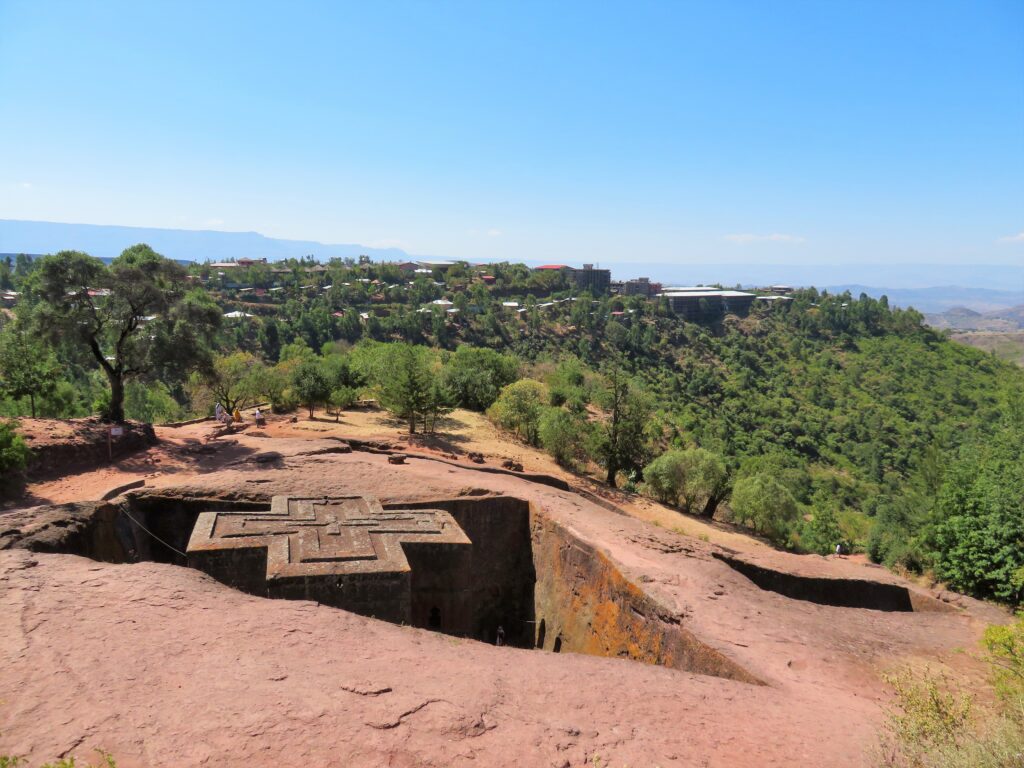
point(641, 286)
point(702, 304)
point(597, 281)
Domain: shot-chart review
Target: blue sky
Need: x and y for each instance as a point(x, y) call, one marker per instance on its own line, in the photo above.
point(793, 132)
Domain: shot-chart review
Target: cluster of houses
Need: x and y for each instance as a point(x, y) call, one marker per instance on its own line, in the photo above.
point(694, 303)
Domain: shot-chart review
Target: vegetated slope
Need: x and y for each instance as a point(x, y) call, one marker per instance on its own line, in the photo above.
point(860, 395)
point(858, 410)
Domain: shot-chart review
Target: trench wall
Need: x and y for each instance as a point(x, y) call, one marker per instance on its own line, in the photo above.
point(87, 448)
point(846, 593)
point(842, 593)
point(91, 528)
point(584, 604)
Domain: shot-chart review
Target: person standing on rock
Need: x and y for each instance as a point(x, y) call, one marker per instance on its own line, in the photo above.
point(218, 412)
point(501, 636)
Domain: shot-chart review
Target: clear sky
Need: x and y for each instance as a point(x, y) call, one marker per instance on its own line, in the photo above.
point(795, 132)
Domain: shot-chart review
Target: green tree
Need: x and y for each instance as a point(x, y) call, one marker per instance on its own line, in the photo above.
point(150, 403)
point(24, 265)
point(311, 385)
point(66, 401)
point(822, 532)
point(342, 397)
point(341, 372)
point(519, 407)
point(406, 382)
point(475, 376)
point(563, 434)
point(568, 383)
point(6, 273)
point(766, 505)
point(27, 368)
point(297, 350)
point(695, 479)
point(620, 442)
point(237, 380)
point(135, 317)
point(979, 536)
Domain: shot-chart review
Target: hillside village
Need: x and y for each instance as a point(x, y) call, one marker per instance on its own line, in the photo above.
point(251, 286)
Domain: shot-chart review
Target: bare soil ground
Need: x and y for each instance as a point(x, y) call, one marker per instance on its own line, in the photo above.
point(1006, 345)
point(176, 457)
point(467, 431)
point(165, 667)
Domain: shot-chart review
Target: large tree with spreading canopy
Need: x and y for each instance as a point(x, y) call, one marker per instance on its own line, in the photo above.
point(137, 317)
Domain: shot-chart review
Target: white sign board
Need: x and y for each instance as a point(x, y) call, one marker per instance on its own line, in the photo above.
point(116, 431)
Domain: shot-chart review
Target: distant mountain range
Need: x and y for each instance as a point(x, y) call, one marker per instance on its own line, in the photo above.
point(965, 319)
point(185, 244)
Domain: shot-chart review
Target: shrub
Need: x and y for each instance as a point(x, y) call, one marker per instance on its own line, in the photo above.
point(13, 761)
point(936, 726)
point(14, 452)
point(519, 407)
point(1004, 646)
point(821, 533)
point(310, 384)
point(562, 434)
point(694, 479)
point(766, 505)
point(931, 717)
point(475, 376)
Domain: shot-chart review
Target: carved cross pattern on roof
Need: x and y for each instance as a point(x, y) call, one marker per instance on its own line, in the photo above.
point(321, 537)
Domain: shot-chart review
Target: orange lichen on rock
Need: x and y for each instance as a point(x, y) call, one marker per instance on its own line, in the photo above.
point(584, 604)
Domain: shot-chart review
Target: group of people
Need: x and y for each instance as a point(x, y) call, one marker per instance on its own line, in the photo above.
point(227, 418)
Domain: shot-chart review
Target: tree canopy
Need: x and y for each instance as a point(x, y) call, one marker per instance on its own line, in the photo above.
point(135, 317)
point(27, 368)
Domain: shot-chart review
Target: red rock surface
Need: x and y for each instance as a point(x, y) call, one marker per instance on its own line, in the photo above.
point(165, 667)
